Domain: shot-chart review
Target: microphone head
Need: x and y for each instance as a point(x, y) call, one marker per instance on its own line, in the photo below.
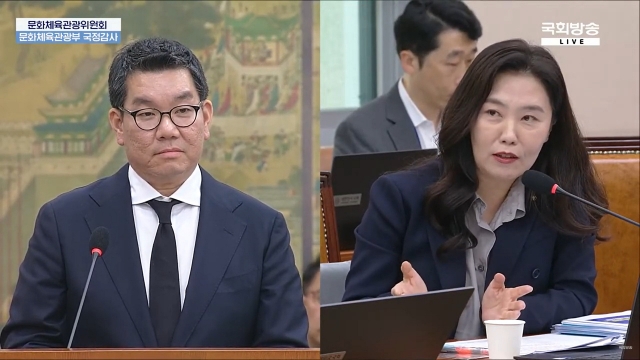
point(539, 182)
point(99, 240)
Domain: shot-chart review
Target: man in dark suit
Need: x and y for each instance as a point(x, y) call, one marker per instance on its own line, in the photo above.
point(191, 262)
point(436, 40)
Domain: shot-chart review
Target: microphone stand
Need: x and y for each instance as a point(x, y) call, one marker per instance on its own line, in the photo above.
point(95, 254)
point(561, 191)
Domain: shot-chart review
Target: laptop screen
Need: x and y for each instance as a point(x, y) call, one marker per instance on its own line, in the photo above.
point(352, 177)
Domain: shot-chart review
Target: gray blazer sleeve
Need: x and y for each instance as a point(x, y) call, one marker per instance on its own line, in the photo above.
point(348, 140)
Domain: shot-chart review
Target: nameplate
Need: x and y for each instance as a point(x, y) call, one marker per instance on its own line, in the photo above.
point(347, 200)
point(333, 356)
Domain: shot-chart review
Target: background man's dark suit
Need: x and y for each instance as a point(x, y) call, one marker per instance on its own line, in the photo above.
point(383, 125)
point(244, 289)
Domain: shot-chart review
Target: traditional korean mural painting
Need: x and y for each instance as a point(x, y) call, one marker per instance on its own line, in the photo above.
point(54, 134)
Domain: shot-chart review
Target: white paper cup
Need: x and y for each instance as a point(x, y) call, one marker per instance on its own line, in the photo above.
point(504, 338)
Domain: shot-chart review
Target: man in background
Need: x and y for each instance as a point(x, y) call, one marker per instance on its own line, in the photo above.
point(311, 289)
point(436, 40)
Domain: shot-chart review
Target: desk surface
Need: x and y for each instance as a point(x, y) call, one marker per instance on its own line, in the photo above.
point(451, 356)
point(156, 354)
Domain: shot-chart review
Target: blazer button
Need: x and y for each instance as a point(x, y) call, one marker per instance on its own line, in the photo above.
point(535, 273)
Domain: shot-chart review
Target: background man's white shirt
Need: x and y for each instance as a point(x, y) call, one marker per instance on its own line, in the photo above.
point(424, 127)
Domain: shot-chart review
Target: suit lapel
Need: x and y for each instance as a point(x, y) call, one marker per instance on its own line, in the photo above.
point(401, 130)
point(122, 258)
point(451, 267)
point(218, 237)
point(510, 239)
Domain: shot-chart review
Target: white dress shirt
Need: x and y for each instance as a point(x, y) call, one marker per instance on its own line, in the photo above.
point(424, 127)
point(184, 219)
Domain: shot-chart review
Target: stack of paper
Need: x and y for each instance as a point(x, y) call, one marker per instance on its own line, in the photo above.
point(473, 349)
point(604, 325)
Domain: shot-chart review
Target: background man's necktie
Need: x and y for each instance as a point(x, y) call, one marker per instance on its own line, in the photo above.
point(164, 281)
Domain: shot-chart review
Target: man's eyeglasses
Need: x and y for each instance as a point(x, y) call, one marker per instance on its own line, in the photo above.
point(149, 118)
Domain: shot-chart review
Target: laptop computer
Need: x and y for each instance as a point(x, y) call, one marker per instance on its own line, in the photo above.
point(394, 327)
point(629, 351)
point(352, 177)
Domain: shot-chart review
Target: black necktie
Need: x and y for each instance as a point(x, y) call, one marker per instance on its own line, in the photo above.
point(164, 282)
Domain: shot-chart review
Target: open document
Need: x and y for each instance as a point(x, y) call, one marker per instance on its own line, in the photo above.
point(537, 343)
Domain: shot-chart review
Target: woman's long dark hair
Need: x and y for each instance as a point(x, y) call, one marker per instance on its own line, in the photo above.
point(564, 156)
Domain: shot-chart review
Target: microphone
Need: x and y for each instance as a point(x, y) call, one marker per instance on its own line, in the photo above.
point(544, 184)
point(98, 244)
